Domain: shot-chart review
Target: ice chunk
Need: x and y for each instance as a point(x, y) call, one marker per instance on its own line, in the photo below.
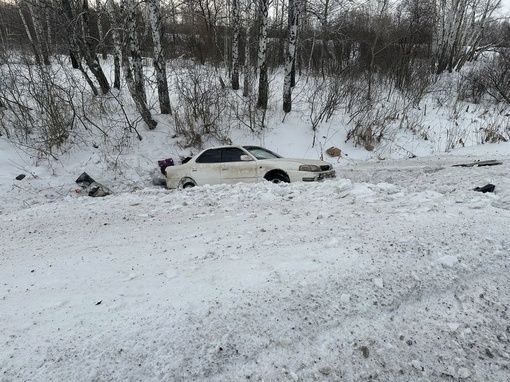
point(448, 260)
point(464, 373)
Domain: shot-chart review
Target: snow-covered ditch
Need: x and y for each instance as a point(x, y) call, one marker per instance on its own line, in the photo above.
point(395, 271)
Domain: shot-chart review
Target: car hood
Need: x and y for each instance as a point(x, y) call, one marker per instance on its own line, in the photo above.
point(299, 161)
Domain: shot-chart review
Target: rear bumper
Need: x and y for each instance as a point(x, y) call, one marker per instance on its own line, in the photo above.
point(172, 183)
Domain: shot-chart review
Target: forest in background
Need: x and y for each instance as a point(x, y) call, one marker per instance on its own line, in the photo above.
point(205, 67)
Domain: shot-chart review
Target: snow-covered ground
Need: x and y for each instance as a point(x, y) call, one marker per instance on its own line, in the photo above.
point(395, 271)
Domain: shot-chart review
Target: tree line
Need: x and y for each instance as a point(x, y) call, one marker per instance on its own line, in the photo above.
point(398, 41)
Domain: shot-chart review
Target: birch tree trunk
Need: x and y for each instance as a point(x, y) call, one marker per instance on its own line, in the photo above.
point(134, 75)
point(235, 44)
point(114, 16)
point(36, 9)
point(460, 27)
point(48, 15)
point(74, 45)
point(118, 45)
point(247, 57)
point(325, 36)
point(89, 51)
point(290, 57)
point(116, 70)
point(34, 46)
point(129, 13)
point(159, 62)
point(381, 7)
point(262, 99)
point(81, 49)
point(102, 42)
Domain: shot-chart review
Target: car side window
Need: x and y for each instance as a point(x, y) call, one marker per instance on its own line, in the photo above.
point(232, 154)
point(210, 156)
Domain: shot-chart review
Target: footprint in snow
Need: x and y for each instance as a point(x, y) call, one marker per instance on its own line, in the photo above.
point(130, 277)
point(171, 274)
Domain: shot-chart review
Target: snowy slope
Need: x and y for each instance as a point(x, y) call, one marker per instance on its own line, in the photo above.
point(395, 271)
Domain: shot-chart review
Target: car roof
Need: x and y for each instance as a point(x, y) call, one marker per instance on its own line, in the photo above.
point(227, 146)
point(232, 146)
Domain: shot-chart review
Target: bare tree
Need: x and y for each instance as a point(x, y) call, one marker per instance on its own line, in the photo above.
point(81, 45)
point(460, 30)
point(380, 22)
point(247, 52)
point(235, 44)
point(202, 111)
point(130, 48)
point(36, 8)
point(206, 16)
point(40, 114)
point(49, 15)
point(262, 99)
point(159, 62)
point(74, 45)
point(322, 10)
point(89, 50)
point(290, 57)
point(102, 42)
point(2, 92)
point(128, 9)
point(494, 78)
point(324, 99)
point(118, 57)
point(31, 38)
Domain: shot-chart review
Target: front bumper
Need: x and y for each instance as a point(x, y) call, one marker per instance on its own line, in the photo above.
point(318, 177)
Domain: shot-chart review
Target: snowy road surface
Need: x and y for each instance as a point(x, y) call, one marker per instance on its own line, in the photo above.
point(395, 271)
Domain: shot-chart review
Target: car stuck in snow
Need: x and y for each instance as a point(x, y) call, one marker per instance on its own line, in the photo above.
point(248, 164)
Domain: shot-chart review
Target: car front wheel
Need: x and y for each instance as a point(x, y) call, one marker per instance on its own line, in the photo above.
point(277, 177)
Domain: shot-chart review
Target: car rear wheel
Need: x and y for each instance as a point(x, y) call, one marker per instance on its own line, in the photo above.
point(187, 183)
point(277, 177)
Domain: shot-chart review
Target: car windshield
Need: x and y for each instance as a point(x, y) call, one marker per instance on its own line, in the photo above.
point(260, 153)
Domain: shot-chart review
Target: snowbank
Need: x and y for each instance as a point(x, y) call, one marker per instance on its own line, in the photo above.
point(396, 271)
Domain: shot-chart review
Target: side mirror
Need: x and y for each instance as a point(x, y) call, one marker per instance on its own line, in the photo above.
point(245, 158)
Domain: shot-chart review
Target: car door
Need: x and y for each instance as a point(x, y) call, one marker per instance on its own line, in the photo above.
point(206, 169)
point(235, 170)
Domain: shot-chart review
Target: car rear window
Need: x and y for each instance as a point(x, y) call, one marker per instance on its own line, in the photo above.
point(210, 156)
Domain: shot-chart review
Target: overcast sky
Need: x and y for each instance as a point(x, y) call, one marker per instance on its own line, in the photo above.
point(505, 5)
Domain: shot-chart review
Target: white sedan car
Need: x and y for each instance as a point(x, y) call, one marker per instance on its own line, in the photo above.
point(248, 164)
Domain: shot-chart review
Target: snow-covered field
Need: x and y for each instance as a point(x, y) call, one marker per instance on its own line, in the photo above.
point(395, 271)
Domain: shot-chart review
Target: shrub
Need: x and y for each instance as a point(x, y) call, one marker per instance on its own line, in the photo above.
point(202, 102)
